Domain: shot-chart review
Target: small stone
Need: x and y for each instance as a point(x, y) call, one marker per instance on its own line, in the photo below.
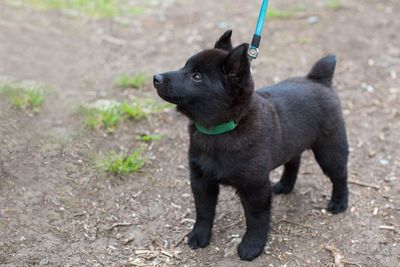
point(313, 19)
point(222, 24)
point(375, 211)
point(371, 62)
point(369, 88)
point(384, 162)
point(231, 248)
point(393, 74)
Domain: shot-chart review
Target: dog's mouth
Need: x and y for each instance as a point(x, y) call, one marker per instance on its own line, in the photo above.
point(168, 95)
point(168, 98)
point(171, 98)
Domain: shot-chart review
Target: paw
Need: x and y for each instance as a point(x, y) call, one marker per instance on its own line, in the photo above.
point(279, 188)
point(199, 238)
point(249, 250)
point(337, 206)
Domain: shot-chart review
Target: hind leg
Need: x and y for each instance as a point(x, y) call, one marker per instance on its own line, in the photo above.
point(289, 177)
point(332, 158)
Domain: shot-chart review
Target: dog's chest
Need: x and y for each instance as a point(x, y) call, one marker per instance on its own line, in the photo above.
point(217, 166)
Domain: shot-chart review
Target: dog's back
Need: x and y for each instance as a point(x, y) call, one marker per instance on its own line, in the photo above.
point(307, 108)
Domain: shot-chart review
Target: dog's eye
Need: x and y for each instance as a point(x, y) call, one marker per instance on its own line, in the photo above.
point(196, 77)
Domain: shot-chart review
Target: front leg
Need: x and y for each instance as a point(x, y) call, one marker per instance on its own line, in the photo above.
point(205, 192)
point(256, 202)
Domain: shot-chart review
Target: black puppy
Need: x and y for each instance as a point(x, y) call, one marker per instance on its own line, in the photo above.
point(238, 135)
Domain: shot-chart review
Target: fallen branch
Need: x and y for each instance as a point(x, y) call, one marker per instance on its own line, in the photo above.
point(363, 184)
point(295, 223)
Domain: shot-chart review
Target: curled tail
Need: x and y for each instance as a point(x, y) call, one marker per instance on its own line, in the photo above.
point(323, 70)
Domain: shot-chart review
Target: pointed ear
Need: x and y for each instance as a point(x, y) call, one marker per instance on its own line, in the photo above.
point(224, 42)
point(237, 64)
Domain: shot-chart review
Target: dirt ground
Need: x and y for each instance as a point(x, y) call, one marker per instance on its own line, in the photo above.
point(56, 210)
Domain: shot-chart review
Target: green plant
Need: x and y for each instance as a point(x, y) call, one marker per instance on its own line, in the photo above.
point(273, 13)
point(135, 81)
point(334, 4)
point(122, 164)
point(135, 10)
point(92, 8)
point(148, 137)
point(134, 110)
point(107, 117)
point(97, 118)
point(24, 97)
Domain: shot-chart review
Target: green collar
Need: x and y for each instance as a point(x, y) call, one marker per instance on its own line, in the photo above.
point(217, 129)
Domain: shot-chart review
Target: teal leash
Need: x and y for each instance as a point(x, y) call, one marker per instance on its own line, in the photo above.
point(255, 43)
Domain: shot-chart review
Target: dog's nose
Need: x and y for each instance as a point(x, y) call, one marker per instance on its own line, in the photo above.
point(157, 79)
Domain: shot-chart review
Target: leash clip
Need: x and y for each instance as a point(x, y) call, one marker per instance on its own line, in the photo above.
point(252, 53)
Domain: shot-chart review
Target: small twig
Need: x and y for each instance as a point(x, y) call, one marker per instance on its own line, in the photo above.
point(79, 214)
point(295, 223)
point(391, 197)
point(119, 225)
point(113, 40)
point(337, 258)
point(57, 229)
point(388, 227)
point(169, 255)
point(95, 258)
point(181, 240)
point(352, 263)
point(187, 220)
point(363, 184)
point(143, 251)
point(230, 225)
point(128, 240)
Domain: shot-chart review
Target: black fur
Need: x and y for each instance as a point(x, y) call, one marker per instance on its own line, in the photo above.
point(275, 125)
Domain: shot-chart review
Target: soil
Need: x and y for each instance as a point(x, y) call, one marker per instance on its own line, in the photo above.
point(57, 210)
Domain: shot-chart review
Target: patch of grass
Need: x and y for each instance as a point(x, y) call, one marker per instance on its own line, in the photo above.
point(24, 97)
point(96, 118)
point(148, 137)
point(133, 81)
point(108, 117)
point(273, 13)
point(92, 8)
point(334, 4)
point(122, 163)
point(134, 110)
point(135, 10)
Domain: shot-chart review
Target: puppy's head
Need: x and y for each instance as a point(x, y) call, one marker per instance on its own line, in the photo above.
point(213, 86)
